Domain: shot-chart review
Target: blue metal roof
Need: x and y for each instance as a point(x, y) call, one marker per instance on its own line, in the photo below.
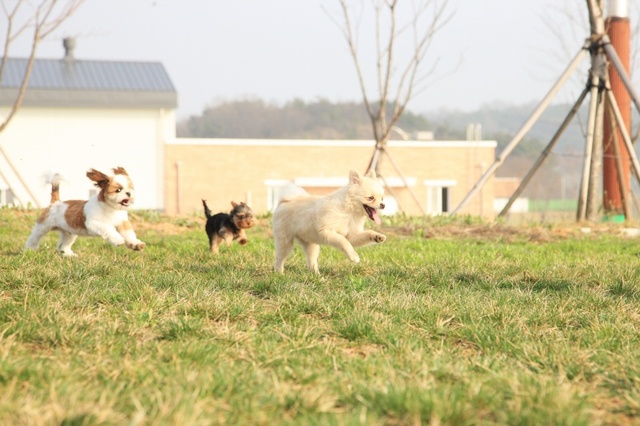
point(64, 74)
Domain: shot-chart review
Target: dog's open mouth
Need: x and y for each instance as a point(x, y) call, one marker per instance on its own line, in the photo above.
point(373, 214)
point(125, 202)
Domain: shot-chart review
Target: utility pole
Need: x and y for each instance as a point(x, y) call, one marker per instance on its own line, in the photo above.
point(619, 31)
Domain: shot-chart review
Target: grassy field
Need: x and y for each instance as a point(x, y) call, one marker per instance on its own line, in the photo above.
point(461, 323)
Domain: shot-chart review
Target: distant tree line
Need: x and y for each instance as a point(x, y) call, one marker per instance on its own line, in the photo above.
point(296, 119)
point(321, 119)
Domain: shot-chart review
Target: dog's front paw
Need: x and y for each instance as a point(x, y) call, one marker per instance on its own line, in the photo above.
point(243, 241)
point(137, 246)
point(379, 238)
point(117, 241)
point(354, 257)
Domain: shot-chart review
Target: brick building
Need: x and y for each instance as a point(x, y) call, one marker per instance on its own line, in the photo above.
point(438, 173)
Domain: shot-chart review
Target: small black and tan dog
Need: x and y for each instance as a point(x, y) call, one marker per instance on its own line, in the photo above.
point(228, 226)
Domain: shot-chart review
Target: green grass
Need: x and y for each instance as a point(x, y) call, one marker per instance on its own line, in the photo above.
point(557, 205)
point(451, 322)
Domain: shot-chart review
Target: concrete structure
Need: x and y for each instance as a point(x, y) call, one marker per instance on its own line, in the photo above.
point(81, 114)
point(439, 173)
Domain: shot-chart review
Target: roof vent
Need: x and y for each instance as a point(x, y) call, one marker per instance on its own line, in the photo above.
point(69, 44)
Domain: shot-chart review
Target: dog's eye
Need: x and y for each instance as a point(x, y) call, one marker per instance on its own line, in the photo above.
point(118, 190)
point(372, 198)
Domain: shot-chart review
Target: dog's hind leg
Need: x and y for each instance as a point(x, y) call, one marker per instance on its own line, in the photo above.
point(210, 236)
point(312, 251)
point(283, 249)
point(214, 247)
point(66, 241)
point(38, 232)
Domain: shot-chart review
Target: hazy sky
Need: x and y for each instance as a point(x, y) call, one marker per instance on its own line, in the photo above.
point(279, 50)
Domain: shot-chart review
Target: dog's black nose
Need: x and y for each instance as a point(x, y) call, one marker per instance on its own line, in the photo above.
point(128, 194)
point(382, 205)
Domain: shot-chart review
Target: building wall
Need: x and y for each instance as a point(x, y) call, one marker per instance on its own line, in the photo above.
point(222, 170)
point(70, 141)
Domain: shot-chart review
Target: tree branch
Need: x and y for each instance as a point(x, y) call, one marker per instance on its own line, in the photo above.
point(387, 63)
point(48, 15)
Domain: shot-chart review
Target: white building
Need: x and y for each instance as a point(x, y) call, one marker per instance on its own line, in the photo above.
point(81, 114)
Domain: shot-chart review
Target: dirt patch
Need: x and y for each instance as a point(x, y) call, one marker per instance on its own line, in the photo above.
point(164, 228)
point(509, 233)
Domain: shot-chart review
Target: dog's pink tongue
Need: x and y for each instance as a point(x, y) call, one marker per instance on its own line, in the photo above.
point(375, 217)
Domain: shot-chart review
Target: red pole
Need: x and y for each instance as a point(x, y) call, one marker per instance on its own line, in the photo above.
point(619, 31)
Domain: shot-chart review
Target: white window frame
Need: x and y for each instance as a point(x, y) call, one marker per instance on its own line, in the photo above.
point(438, 192)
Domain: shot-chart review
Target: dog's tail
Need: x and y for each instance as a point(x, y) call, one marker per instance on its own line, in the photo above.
point(207, 212)
point(54, 179)
point(290, 191)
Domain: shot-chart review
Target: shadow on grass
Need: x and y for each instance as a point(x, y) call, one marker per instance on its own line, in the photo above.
point(625, 290)
point(525, 283)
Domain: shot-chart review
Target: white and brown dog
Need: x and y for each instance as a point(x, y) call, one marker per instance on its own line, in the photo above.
point(104, 215)
point(336, 220)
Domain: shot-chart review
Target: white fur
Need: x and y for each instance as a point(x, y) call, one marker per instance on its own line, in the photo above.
point(104, 215)
point(335, 220)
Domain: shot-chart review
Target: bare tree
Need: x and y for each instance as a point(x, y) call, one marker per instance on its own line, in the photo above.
point(398, 79)
point(35, 19)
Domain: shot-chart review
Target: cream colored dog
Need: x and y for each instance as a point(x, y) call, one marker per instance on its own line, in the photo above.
point(103, 215)
point(335, 220)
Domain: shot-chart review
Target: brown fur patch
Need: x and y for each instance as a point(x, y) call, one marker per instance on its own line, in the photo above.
point(124, 226)
point(123, 172)
point(101, 181)
point(55, 193)
point(74, 215)
point(43, 216)
point(120, 171)
point(113, 187)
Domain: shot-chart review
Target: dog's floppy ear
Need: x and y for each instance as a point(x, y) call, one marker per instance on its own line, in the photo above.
point(100, 179)
point(354, 177)
point(120, 171)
